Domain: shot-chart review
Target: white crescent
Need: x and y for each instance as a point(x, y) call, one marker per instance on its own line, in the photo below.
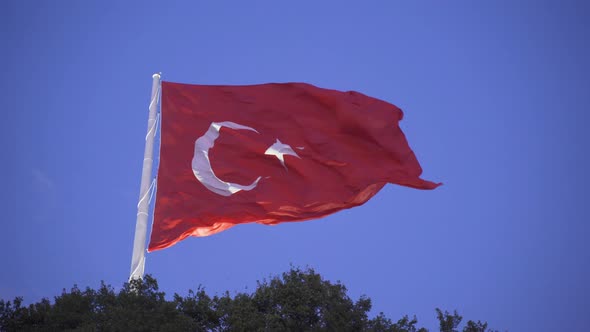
point(202, 165)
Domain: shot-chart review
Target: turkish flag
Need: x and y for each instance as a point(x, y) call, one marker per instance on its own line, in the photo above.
point(272, 153)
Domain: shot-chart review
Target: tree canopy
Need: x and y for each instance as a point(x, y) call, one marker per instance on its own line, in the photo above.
point(296, 300)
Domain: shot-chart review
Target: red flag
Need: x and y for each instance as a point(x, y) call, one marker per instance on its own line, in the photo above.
point(272, 153)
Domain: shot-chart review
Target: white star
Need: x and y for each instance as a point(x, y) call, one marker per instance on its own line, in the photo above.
point(279, 149)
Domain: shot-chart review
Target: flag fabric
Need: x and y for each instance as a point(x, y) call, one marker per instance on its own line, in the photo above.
point(271, 153)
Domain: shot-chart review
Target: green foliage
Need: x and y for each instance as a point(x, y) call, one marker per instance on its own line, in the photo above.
point(301, 300)
point(448, 322)
point(200, 308)
point(475, 327)
point(297, 300)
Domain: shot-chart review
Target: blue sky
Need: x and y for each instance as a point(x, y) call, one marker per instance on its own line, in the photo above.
point(495, 96)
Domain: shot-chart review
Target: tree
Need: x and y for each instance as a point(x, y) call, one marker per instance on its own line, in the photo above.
point(476, 327)
point(301, 300)
point(297, 300)
point(448, 322)
point(200, 308)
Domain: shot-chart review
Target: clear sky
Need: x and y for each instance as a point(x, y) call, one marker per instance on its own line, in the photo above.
point(495, 95)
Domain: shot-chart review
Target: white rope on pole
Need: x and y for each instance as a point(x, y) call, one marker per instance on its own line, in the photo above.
point(153, 127)
point(139, 242)
point(150, 191)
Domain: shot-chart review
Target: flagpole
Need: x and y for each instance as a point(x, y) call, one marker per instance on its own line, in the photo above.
point(138, 256)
